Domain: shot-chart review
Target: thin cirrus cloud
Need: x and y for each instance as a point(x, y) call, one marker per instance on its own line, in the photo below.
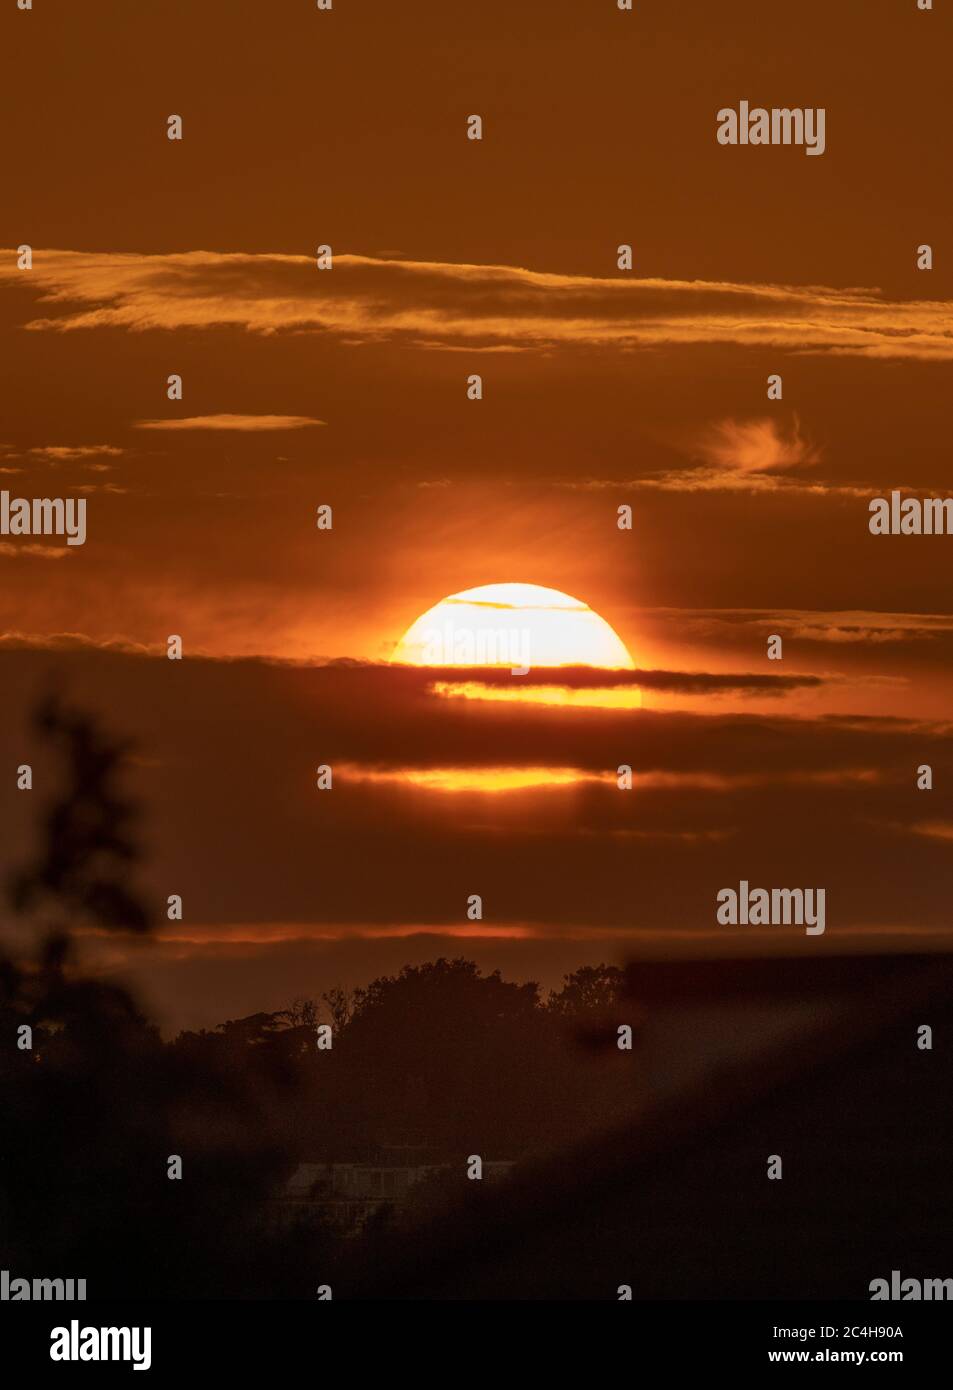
point(933, 830)
point(756, 455)
point(245, 423)
point(62, 453)
point(753, 456)
point(443, 305)
point(754, 446)
point(835, 625)
point(740, 456)
point(65, 453)
point(11, 551)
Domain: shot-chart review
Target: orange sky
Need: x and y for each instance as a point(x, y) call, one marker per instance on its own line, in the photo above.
point(349, 388)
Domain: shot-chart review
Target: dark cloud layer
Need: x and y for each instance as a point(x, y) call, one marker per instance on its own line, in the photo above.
point(226, 760)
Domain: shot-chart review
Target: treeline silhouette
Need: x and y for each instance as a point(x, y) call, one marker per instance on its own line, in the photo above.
point(439, 1057)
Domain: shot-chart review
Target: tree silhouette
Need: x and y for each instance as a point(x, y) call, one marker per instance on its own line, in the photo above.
point(95, 1108)
point(87, 845)
point(438, 1056)
point(588, 990)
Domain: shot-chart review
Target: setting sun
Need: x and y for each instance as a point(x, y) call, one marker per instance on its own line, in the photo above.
point(515, 625)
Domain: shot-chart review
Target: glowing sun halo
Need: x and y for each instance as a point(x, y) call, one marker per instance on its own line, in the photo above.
point(509, 625)
point(519, 626)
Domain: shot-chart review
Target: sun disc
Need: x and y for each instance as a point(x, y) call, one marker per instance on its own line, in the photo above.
point(513, 625)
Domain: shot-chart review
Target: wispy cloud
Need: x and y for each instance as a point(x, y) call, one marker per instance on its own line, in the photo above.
point(248, 423)
point(933, 830)
point(441, 305)
point(757, 455)
point(10, 550)
point(756, 446)
point(69, 641)
point(65, 453)
point(839, 626)
point(746, 456)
